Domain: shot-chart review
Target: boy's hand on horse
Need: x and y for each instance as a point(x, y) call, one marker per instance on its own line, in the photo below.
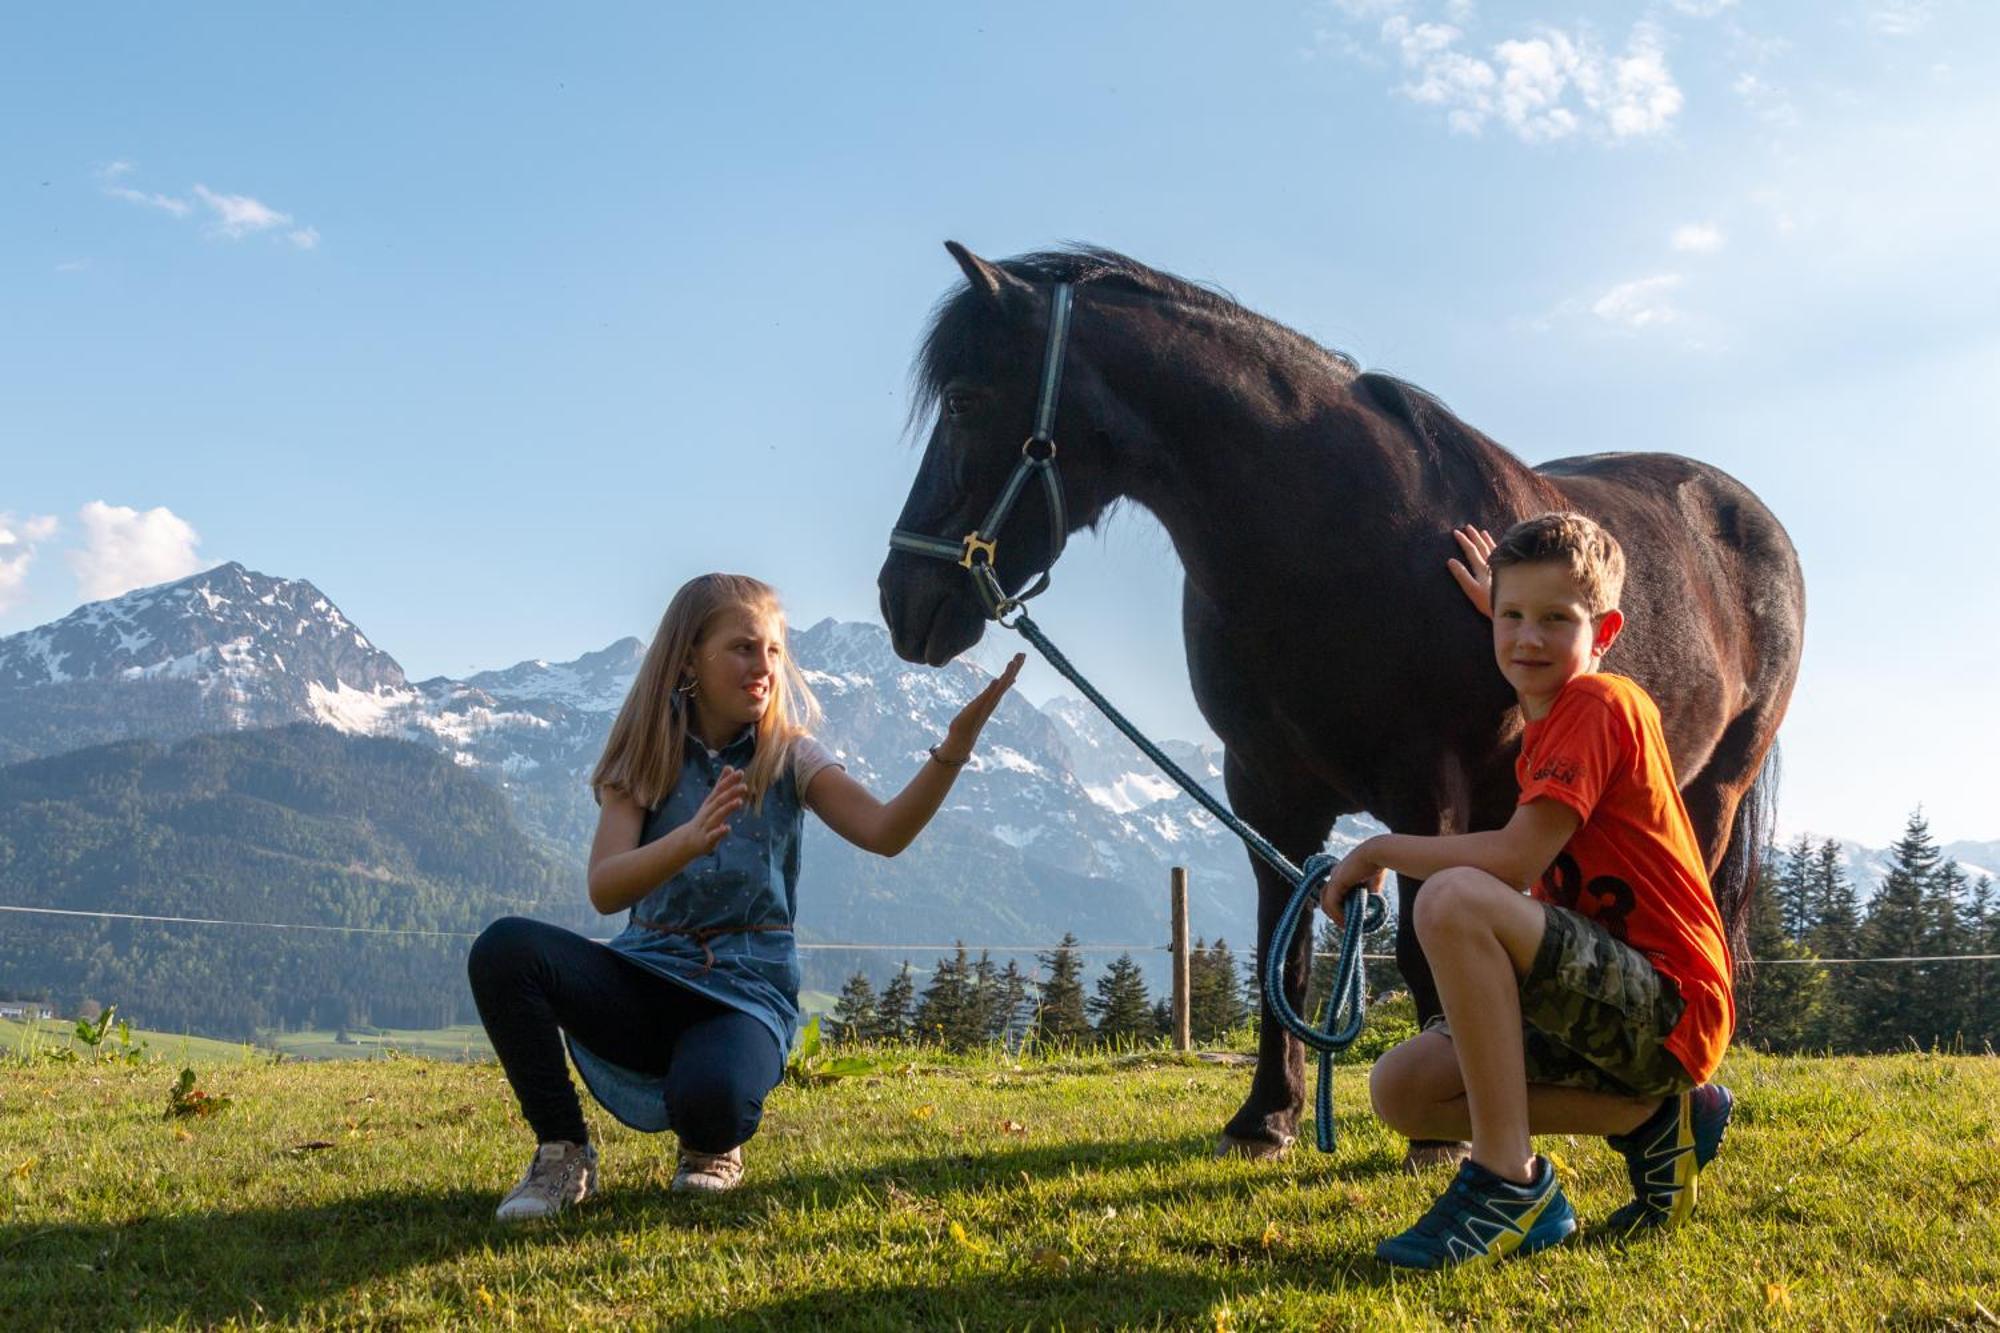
point(1475, 577)
point(963, 734)
point(1354, 871)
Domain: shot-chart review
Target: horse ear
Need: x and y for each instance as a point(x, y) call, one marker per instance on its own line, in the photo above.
point(989, 280)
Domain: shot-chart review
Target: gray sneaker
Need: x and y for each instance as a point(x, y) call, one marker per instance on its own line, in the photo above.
point(709, 1173)
point(561, 1176)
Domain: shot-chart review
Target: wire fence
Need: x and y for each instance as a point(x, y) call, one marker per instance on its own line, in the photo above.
point(866, 947)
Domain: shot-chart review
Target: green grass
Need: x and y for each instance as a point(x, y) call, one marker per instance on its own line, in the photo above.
point(466, 1041)
point(34, 1038)
point(971, 1192)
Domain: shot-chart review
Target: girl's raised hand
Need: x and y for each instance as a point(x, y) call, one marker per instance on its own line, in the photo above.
point(964, 731)
point(1474, 575)
point(710, 824)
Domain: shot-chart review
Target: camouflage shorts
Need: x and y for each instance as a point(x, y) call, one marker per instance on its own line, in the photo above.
point(1595, 1014)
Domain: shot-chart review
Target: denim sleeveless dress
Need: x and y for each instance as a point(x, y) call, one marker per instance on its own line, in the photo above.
point(750, 879)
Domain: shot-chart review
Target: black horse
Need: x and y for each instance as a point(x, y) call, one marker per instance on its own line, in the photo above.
point(1310, 505)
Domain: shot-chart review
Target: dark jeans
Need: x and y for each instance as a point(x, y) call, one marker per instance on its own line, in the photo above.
point(533, 981)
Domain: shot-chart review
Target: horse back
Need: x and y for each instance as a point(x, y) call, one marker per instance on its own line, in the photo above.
point(1714, 599)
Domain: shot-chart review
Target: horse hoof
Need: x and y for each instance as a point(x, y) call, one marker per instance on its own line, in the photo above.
point(1426, 1154)
point(1257, 1150)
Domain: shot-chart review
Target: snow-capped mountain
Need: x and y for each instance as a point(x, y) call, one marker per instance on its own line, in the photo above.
point(241, 636)
point(222, 650)
point(1057, 818)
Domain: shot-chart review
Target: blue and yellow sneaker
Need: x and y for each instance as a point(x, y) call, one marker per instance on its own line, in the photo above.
point(1664, 1155)
point(1482, 1218)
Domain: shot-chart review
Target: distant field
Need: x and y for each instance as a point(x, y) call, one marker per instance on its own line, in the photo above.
point(467, 1041)
point(968, 1192)
point(18, 1038)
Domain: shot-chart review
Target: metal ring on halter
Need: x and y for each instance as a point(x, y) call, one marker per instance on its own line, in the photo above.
point(1028, 446)
point(974, 544)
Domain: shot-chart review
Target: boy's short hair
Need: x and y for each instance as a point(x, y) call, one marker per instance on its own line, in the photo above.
point(1595, 561)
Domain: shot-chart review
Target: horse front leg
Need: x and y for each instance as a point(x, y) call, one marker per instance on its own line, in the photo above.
point(1267, 1123)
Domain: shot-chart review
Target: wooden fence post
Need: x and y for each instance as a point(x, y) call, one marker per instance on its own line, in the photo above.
point(1183, 1040)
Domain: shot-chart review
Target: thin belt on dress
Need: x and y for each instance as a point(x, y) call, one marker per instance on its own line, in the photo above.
point(703, 934)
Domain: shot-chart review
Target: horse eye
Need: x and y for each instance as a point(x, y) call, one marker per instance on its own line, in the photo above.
point(957, 403)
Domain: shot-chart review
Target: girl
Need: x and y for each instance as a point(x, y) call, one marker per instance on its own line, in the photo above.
point(682, 1022)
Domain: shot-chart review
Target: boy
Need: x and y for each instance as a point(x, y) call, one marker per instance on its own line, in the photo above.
point(1599, 1001)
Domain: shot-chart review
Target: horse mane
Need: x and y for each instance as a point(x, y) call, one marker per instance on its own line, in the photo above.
point(1449, 444)
point(960, 313)
point(1452, 447)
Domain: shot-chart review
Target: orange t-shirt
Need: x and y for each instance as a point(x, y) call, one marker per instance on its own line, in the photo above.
point(1633, 866)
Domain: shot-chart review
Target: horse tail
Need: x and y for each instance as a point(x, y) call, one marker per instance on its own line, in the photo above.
point(1735, 880)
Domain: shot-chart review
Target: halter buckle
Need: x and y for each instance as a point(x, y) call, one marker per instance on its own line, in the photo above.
point(974, 544)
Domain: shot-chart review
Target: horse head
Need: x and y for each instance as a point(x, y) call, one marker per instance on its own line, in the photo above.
point(982, 371)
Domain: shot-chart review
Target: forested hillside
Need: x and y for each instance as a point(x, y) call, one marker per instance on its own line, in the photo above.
point(300, 825)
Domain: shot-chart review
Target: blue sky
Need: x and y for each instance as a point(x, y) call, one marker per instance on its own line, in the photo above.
point(499, 322)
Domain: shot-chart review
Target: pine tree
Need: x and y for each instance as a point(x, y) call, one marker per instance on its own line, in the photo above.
point(1123, 1012)
point(893, 1011)
point(1837, 905)
point(1061, 1017)
point(1950, 1012)
point(1215, 995)
point(1835, 933)
point(1983, 916)
point(987, 1004)
point(856, 1014)
point(1783, 1006)
point(1790, 884)
point(945, 1014)
point(1889, 999)
point(1013, 999)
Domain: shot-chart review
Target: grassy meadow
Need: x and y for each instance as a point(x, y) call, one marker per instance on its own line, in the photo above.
point(940, 1192)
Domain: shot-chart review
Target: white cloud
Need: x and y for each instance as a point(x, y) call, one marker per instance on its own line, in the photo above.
point(166, 203)
point(1700, 9)
point(1642, 97)
point(238, 215)
point(1642, 303)
point(1543, 87)
point(18, 540)
point(1697, 238)
point(124, 549)
point(1900, 18)
point(73, 266)
point(234, 216)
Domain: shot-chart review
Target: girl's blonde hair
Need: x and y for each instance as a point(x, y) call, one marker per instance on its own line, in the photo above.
point(643, 754)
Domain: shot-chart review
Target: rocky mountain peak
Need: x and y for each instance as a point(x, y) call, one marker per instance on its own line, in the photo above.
point(227, 629)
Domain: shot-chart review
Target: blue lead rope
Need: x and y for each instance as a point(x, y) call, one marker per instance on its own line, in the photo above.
point(1347, 1005)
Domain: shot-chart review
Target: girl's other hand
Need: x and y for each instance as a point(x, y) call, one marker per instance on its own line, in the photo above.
point(1474, 575)
point(964, 731)
point(710, 824)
